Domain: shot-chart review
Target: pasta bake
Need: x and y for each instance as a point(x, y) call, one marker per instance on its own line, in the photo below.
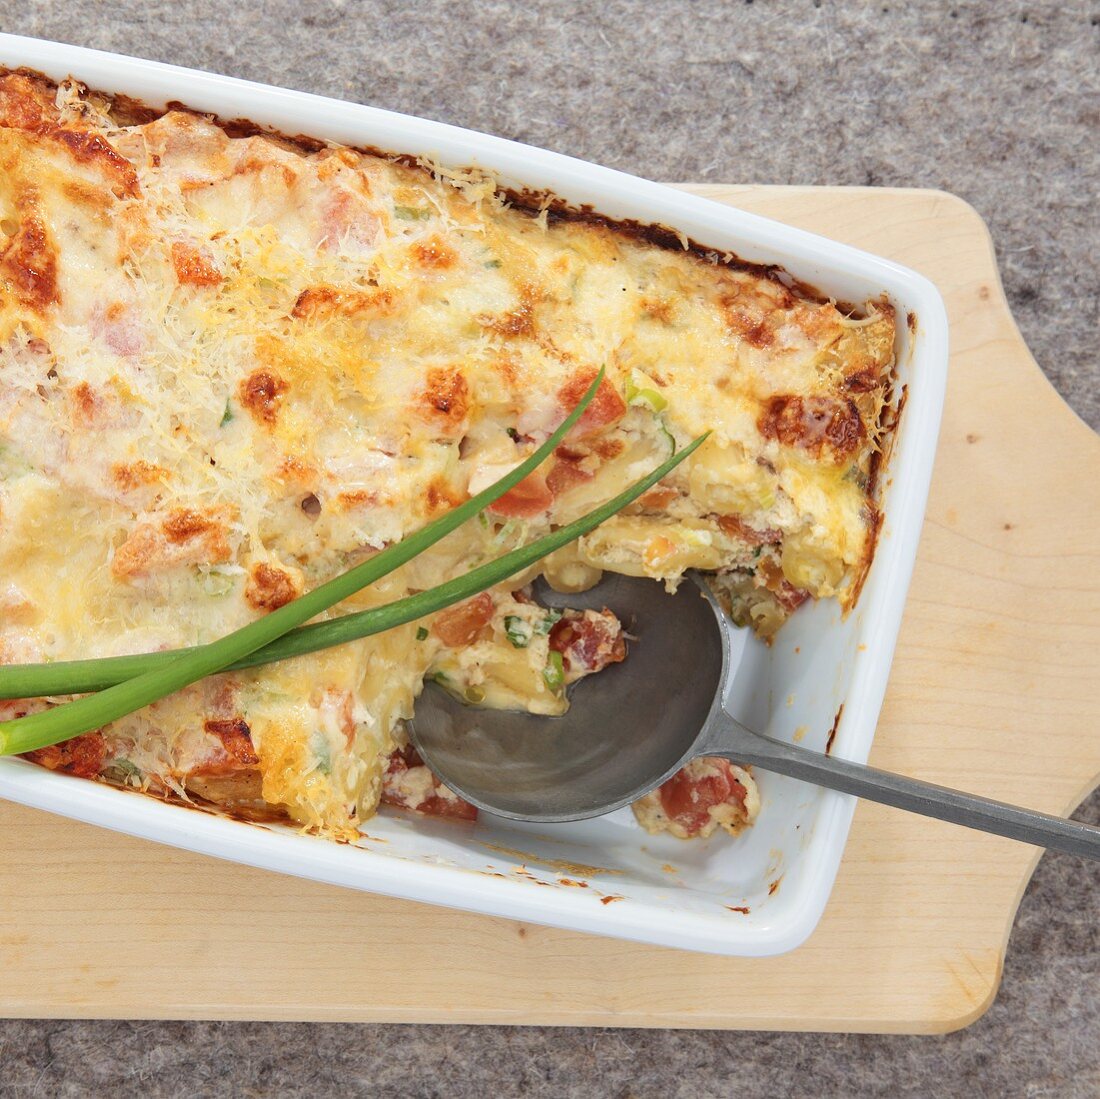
point(232, 364)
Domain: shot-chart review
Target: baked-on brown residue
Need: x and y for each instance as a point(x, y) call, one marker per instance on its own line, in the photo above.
point(26, 105)
point(93, 149)
point(832, 731)
point(561, 865)
point(533, 203)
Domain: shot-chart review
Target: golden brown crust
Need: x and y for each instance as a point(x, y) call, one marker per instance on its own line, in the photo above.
point(815, 424)
point(82, 755)
point(262, 393)
point(446, 400)
point(317, 303)
point(236, 738)
point(131, 475)
point(270, 587)
point(28, 261)
point(194, 266)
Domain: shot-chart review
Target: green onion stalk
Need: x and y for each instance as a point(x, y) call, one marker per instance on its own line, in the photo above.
point(62, 722)
point(125, 684)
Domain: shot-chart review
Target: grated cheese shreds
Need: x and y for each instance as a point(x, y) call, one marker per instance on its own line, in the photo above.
point(230, 367)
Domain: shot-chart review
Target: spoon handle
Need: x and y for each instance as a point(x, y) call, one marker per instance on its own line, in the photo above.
point(736, 742)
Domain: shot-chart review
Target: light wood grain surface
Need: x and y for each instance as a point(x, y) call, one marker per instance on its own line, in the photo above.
point(994, 689)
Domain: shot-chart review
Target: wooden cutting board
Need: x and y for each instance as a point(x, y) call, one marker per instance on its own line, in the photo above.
point(995, 688)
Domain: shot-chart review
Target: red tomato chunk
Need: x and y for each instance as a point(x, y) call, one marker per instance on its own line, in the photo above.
point(690, 794)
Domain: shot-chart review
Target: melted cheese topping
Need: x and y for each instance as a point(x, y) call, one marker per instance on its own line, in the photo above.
point(228, 368)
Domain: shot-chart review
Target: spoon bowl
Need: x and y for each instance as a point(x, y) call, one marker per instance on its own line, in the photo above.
point(626, 729)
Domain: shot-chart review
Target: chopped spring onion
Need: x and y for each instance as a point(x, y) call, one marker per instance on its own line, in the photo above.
point(518, 631)
point(554, 673)
point(215, 581)
point(59, 723)
point(474, 695)
point(510, 528)
point(227, 415)
point(669, 437)
point(322, 752)
point(640, 392)
point(548, 623)
point(411, 213)
point(122, 770)
point(421, 634)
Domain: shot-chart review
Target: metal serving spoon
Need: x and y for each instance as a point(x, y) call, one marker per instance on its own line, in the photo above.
point(637, 723)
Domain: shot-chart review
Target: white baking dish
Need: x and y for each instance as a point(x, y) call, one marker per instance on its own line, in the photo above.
point(718, 895)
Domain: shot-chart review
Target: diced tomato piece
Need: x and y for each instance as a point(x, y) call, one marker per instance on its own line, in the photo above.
point(82, 755)
point(121, 327)
point(404, 760)
point(460, 625)
point(606, 407)
point(688, 796)
point(454, 808)
point(735, 525)
point(791, 597)
point(348, 222)
point(588, 641)
point(564, 476)
point(660, 497)
point(529, 498)
point(569, 453)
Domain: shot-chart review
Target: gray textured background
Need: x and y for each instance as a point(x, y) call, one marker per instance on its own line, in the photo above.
point(998, 102)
